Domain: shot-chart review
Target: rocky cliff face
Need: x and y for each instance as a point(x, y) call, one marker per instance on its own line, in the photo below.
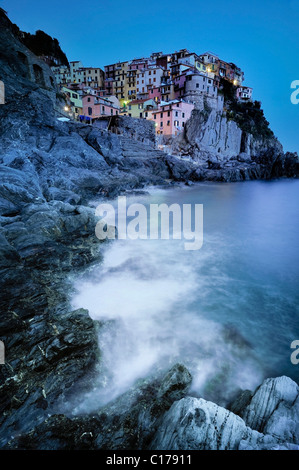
point(219, 143)
point(49, 170)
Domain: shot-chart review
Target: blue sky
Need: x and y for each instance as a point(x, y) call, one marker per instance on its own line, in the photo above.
point(261, 36)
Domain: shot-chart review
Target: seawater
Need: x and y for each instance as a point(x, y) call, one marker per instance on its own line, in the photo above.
point(228, 311)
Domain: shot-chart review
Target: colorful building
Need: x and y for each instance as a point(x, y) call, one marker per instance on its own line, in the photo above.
point(140, 108)
point(74, 100)
point(62, 74)
point(170, 118)
point(97, 107)
point(244, 93)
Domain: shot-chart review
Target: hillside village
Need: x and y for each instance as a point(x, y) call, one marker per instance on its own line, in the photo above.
point(163, 88)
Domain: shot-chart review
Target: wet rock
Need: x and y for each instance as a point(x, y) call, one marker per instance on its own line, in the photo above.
point(195, 424)
point(127, 423)
point(274, 409)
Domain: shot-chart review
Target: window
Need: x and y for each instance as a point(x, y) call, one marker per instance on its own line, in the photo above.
point(183, 124)
point(111, 112)
point(208, 89)
point(88, 100)
point(176, 114)
point(168, 113)
point(146, 114)
point(155, 116)
point(130, 107)
point(168, 123)
point(161, 124)
point(161, 114)
point(178, 105)
point(197, 85)
point(89, 111)
point(103, 109)
point(176, 123)
point(183, 115)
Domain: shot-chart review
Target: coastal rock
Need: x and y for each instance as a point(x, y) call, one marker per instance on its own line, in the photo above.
point(126, 423)
point(196, 424)
point(273, 409)
point(231, 153)
point(50, 171)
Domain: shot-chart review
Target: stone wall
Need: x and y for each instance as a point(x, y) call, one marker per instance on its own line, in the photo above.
point(202, 101)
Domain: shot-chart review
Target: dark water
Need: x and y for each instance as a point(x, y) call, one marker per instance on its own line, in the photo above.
point(229, 311)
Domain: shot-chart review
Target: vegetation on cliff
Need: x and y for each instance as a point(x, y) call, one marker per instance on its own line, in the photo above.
point(42, 44)
point(248, 115)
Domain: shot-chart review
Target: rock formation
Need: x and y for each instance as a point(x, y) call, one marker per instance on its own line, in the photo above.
point(49, 170)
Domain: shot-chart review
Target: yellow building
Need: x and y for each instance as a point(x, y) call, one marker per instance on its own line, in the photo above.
point(140, 108)
point(120, 82)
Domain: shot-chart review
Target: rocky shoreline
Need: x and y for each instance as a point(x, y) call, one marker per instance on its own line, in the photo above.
point(49, 170)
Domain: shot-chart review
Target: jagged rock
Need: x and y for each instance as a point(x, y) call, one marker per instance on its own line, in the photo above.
point(127, 423)
point(48, 168)
point(271, 400)
point(211, 136)
point(284, 422)
point(196, 424)
point(240, 403)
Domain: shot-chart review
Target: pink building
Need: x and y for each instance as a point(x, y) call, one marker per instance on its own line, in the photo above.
point(96, 107)
point(155, 94)
point(179, 85)
point(170, 119)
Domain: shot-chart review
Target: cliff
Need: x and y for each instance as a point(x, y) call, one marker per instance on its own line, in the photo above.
point(49, 170)
point(235, 140)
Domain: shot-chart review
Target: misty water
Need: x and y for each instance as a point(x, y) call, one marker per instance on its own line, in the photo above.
point(228, 311)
